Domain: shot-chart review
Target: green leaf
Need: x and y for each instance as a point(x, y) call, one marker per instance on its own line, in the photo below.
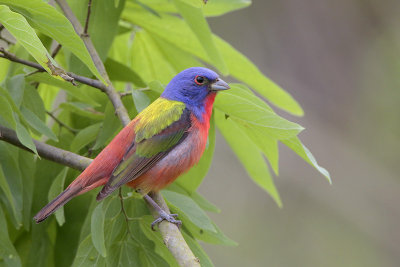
point(248, 154)
point(156, 86)
point(220, 7)
point(248, 110)
point(38, 124)
point(82, 109)
point(71, 90)
point(297, 146)
point(8, 254)
point(97, 229)
point(87, 255)
point(28, 161)
point(85, 137)
point(204, 203)
point(193, 178)
point(52, 23)
point(244, 70)
point(208, 236)
point(211, 9)
point(123, 253)
point(23, 135)
point(156, 238)
point(34, 103)
point(149, 62)
point(199, 199)
point(120, 72)
point(195, 19)
point(140, 99)
point(25, 35)
point(55, 189)
point(189, 208)
point(197, 250)
point(16, 86)
point(175, 31)
point(110, 125)
point(6, 112)
point(6, 191)
point(12, 174)
point(151, 258)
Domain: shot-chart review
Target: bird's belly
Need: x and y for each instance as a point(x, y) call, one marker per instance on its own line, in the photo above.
point(178, 161)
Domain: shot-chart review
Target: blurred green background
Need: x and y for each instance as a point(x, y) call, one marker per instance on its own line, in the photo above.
point(341, 60)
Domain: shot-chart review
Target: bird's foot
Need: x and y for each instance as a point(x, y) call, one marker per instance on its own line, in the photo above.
point(168, 217)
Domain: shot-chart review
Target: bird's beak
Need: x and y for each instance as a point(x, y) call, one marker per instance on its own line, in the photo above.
point(219, 85)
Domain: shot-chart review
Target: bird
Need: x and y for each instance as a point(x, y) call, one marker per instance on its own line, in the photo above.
point(162, 142)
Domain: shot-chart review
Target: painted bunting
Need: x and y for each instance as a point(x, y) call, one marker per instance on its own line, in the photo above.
point(162, 142)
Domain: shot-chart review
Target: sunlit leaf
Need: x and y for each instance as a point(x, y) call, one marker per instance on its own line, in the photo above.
point(195, 19)
point(119, 72)
point(49, 21)
point(175, 31)
point(17, 25)
point(248, 154)
point(297, 146)
point(247, 110)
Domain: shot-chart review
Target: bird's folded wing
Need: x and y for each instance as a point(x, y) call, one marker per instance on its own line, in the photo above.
point(156, 136)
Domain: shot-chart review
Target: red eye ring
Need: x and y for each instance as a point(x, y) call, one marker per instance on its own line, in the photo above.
point(199, 80)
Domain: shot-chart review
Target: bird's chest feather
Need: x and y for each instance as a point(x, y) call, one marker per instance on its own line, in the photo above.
point(180, 159)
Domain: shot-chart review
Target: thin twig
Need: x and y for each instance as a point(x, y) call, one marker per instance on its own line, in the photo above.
point(54, 69)
point(61, 124)
point(56, 50)
point(85, 80)
point(85, 31)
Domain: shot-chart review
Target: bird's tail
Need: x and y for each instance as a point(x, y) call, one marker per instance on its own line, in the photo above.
point(72, 191)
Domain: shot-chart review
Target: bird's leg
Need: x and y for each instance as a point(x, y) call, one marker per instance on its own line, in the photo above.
point(163, 215)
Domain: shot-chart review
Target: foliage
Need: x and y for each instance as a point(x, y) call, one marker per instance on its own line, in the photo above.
point(143, 44)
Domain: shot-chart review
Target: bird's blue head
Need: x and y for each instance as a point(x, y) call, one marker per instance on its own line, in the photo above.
point(192, 86)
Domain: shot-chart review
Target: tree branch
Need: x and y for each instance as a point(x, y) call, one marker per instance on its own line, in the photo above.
point(46, 151)
point(85, 31)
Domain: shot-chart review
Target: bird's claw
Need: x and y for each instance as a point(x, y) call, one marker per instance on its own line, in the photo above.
point(168, 217)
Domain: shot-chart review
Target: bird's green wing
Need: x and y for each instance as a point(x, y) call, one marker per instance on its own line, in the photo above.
point(159, 128)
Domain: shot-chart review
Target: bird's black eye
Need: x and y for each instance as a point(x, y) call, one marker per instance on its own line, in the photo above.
point(200, 80)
